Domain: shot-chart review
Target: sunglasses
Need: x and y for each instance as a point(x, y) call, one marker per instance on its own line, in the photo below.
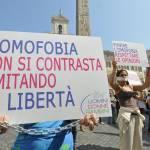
point(123, 75)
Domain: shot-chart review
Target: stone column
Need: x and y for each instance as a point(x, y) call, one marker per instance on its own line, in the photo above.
point(82, 18)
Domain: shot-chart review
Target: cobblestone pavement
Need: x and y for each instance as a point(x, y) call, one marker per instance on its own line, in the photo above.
point(104, 137)
point(7, 139)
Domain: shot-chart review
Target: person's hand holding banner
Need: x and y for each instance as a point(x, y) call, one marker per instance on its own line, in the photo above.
point(114, 64)
point(3, 119)
point(89, 120)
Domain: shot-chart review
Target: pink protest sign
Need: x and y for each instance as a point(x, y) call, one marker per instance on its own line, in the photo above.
point(131, 54)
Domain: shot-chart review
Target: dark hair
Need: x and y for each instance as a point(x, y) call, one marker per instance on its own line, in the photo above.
point(120, 71)
point(116, 97)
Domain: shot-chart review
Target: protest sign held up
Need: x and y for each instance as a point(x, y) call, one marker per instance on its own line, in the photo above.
point(50, 77)
point(131, 54)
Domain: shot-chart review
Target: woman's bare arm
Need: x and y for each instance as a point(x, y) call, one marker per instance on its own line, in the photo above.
point(113, 75)
point(140, 96)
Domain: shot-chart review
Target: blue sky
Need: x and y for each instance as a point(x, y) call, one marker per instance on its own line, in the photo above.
point(126, 20)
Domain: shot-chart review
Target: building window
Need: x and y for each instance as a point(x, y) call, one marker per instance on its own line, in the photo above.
point(110, 64)
point(140, 69)
point(135, 68)
point(127, 67)
point(60, 29)
point(118, 66)
point(148, 57)
point(121, 67)
point(124, 67)
point(132, 67)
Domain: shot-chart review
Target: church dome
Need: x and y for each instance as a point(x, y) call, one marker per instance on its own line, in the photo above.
point(59, 18)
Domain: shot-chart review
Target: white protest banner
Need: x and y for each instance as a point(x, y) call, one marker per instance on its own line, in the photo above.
point(50, 77)
point(131, 54)
point(133, 78)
